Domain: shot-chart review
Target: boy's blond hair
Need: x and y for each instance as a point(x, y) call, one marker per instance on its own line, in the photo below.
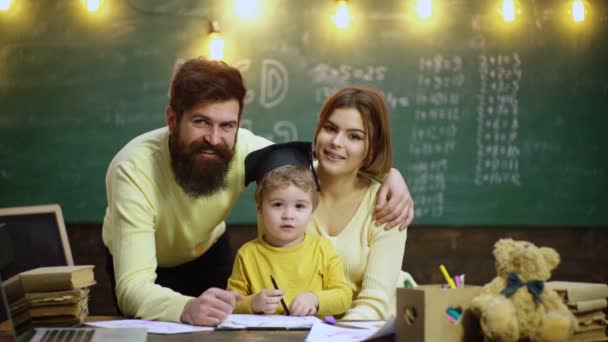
point(297, 175)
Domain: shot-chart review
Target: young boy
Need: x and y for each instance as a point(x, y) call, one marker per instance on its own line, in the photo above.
point(308, 271)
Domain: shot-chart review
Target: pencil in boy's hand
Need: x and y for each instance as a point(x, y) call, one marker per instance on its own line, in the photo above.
point(276, 287)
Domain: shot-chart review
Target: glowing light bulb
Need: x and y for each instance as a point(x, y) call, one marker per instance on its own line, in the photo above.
point(94, 5)
point(342, 16)
point(5, 5)
point(578, 11)
point(216, 46)
point(247, 8)
point(508, 10)
point(424, 9)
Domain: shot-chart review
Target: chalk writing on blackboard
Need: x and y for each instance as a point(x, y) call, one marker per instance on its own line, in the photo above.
point(393, 100)
point(274, 82)
point(434, 132)
point(345, 74)
point(328, 79)
point(498, 120)
point(285, 131)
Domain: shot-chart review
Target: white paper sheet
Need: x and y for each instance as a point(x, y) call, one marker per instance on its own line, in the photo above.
point(154, 327)
point(325, 332)
point(363, 324)
point(365, 331)
point(237, 321)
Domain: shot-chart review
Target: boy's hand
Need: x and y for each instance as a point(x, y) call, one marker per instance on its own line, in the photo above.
point(266, 301)
point(305, 304)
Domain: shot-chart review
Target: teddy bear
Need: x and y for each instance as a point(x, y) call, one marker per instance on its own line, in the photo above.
point(515, 305)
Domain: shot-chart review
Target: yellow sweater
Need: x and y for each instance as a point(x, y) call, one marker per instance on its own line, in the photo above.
point(312, 266)
point(150, 221)
point(372, 260)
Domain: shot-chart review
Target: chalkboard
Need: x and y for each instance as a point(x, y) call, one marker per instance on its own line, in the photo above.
point(32, 237)
point(493, 123)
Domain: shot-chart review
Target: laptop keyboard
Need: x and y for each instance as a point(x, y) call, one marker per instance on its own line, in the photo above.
point(72, 335)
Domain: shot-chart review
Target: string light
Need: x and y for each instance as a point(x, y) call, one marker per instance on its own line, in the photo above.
point(578, 11)
point(342, 17)
point(247, 8)
point(93, 5)
point(5, 5)
point(424, 9)
point(508, 10)
point(216, 43)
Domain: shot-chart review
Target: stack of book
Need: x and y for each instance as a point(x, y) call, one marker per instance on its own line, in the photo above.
point(588, 303)
point(16, 301)
point(58, 296)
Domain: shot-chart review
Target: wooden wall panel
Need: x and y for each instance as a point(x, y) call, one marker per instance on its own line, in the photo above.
point(462, 249)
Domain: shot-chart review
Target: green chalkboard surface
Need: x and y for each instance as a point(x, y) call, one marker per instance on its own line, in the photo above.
point(493, 123)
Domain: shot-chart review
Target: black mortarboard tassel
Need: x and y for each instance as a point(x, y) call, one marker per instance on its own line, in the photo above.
point(260, 162)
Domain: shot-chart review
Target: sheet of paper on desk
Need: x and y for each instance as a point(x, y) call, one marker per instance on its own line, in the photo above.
point(238, 321)
point(154, 327)
point(363, 324)
point(326, 332)
point(364, 331)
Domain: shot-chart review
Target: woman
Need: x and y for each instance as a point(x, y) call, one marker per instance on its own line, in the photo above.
point(352, 138)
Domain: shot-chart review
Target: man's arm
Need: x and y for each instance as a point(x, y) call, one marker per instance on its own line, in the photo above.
point(253, 142)
point(134, 249)
point(394, 205)
point(134, 255)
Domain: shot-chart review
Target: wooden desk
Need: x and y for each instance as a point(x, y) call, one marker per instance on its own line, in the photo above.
point(221, 336)
point(217, 336)
point(238, 335)
point(257, 336)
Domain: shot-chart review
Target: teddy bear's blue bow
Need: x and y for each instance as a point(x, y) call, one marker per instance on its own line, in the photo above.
point(535, 287)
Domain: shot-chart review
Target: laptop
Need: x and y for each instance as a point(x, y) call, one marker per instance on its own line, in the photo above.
point(26, 332)
point(40, 228)
point(22, 329)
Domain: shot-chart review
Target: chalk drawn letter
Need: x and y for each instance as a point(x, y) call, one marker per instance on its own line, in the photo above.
point(286, 131)
point(274, 83)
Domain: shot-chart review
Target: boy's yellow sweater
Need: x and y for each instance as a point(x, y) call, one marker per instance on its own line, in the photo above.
point(312, 266)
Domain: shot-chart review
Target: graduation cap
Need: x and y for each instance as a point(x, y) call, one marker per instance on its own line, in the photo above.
point(260, 162)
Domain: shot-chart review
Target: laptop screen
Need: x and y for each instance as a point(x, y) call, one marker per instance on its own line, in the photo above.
point(27, 229)
point(30, 237)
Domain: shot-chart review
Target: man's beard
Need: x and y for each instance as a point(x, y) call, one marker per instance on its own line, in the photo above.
point(196, 176)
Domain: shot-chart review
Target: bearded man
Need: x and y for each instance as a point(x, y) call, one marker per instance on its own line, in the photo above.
point(169, 192)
